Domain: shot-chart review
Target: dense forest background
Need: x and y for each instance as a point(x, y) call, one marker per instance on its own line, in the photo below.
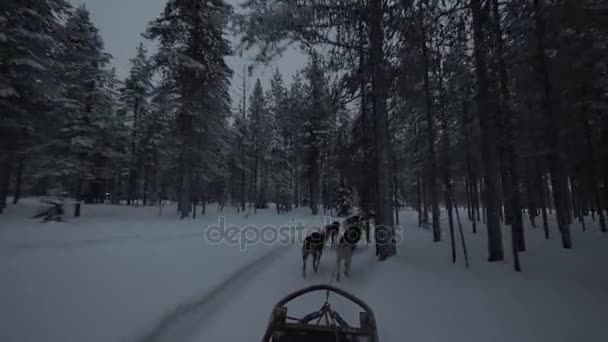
point(498, 108)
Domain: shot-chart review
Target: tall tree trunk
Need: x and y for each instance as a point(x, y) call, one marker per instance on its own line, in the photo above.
point(487, 119)
point(512, 177)
point(243, 180)
point(78, 203)
point(313, 183)
point(367, 198)
point(6, 170)
point(557, 163)
point(186, 195)
point(592, 169)
point(467, 196)
point(425, 201)
point(296, 183)
point(471, 181)
point(532, 196)
point(254, 182)
point(430, 132)
point(476, 197)
point(447, 179)
point(18, 180)
point(462, 240)
point(419, 198)
point(264, 186)
point(134, 162)
point(396, 190)
point(542, 187)
point(384, 170)
point(146, 180)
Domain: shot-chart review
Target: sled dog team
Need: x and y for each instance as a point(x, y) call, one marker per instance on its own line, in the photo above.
point(314, 243)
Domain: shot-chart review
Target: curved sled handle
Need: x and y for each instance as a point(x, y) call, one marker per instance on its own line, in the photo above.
point(324, 287)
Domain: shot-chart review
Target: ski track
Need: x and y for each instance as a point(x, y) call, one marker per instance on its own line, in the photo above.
point(181, 323)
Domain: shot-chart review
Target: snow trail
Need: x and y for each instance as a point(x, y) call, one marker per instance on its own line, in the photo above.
point(185, 320)
point(419, 295)
point(246, 315)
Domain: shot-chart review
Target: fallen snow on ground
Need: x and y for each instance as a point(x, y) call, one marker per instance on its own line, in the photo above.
point(125, 274)
point(112, 274)
point(419, 295)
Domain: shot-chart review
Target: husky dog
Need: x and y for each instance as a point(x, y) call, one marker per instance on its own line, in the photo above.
point(331, 232)
point(313, 244)
point(346, 248)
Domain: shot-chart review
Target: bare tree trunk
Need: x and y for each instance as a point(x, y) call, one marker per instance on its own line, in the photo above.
point(543, 198)
point(186, 195)
point(296, 183)
point(384, 170)
point(532, 195)
point(180, 183)
point(396, 190)
point(264, 186)
point(512, 194)
point(430, 133)
point(593, 178)
point(470, 180)
point(18, 180)
point(467, 196)
point(476, 199)
point(447, 165)
point(79, 189)
point(6, 170)
point(145, 194)
point(313, 183)
point(462, 240)
point(425, 201)
point(419, 198)
point(254, 182)
point(487, 119)
point(482, 196)
point(556, 160)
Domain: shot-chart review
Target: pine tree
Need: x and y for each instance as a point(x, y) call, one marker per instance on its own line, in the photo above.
point(85, 77)
point(344, 200)
point(296, 105)
point(192, 52)
point(135, 100)
point(30, 36)
point(282, 142)
point(260, 126)
point(315, 127)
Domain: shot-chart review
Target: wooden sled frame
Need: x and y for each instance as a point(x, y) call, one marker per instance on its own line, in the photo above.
point(301, 330)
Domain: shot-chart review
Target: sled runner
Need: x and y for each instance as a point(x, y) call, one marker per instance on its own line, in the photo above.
point(324, 325)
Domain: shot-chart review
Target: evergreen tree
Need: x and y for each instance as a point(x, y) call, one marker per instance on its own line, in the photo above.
point(192, 52)
point(315, 127)
point(86, 112)
point(135, 100)
point(282, 141)
point(344, 201)
point(30, 37)
point(261, 130)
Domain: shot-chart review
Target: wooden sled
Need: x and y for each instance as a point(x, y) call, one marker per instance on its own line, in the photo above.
point(283, 328)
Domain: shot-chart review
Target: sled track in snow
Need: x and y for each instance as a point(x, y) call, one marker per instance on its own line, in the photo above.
point(180, 324)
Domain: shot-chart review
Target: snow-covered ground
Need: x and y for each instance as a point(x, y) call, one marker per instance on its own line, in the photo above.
point(125, 274)
point(421, 296)
point(114, 273)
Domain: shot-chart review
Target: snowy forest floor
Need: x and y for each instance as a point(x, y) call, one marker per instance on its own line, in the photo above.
point(123, 273)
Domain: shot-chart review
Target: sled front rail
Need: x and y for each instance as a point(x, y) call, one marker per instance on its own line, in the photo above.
point(280, 330)
point(298, 332)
